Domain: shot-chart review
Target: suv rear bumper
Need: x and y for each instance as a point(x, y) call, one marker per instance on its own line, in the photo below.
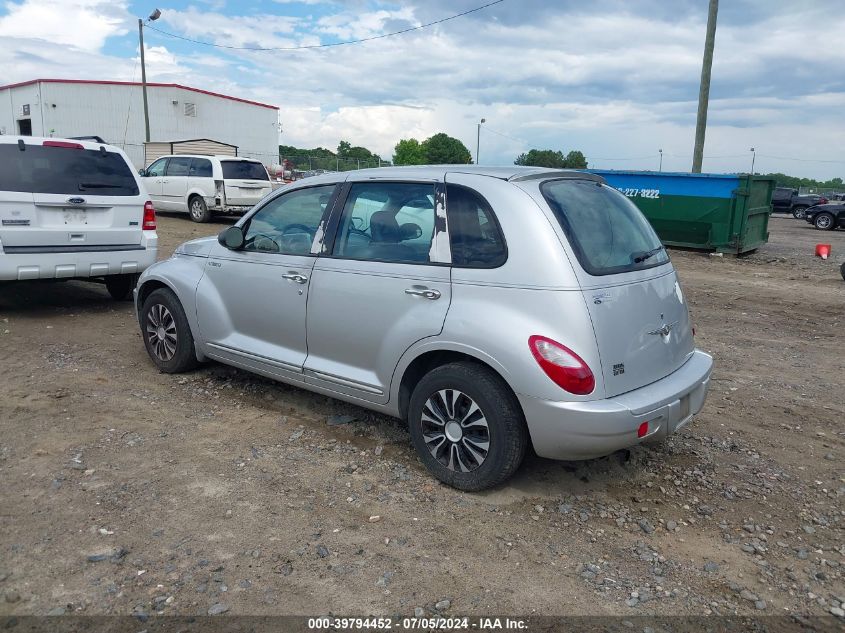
point(66, 265)
point(584, 430)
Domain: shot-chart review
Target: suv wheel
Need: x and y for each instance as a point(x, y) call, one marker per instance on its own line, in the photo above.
point(799, 212)
point(167, 335)
point(198, 209)
point(823, 221)
point(467, 426)
point(120, 286)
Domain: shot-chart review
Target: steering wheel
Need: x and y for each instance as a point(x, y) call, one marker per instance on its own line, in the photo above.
point(307, 229)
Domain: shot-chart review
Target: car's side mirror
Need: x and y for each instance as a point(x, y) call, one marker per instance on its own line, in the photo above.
point(232, 238)
point(142, 173)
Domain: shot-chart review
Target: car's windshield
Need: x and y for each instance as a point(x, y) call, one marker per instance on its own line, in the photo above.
point(606, 230)
point(243, 170)
point(65, 170)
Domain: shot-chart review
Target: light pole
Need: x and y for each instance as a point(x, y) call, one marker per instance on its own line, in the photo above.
point(704, 87)
point(661, 160)
point(753, 156)
point(155, 15)
point(478, 140)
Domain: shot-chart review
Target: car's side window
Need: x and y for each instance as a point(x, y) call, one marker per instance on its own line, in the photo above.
point(178, 166)
point(474, 233)
point(157, 168)
point(200, 168)
point(287, 224)
point(391, 222)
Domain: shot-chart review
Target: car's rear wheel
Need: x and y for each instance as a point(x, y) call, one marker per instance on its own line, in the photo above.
point(167, 335)
point(120, 286)
point(842, 270)
point(823, 221)
point(198, 209)
point(799, 212)
point(467, 426)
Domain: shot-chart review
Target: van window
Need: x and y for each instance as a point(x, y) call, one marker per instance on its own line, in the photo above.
point(157, 168)
point(201, 168)
point(178, 166)
point(474, 233)
point(243, 170)
point(606, 230)
point(64, 170)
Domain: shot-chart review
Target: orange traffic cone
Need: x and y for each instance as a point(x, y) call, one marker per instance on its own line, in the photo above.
point(823, 250)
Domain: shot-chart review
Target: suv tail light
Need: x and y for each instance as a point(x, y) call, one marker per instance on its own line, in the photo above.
point(566, 369)
point(149, 223)
point(823, 200)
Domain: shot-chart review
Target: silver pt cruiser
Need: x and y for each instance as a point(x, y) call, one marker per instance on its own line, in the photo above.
point(489, 307)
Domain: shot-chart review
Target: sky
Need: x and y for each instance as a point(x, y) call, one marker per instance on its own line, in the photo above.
point(615, 79)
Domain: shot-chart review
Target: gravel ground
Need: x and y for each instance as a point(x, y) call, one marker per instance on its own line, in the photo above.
point(126, 491)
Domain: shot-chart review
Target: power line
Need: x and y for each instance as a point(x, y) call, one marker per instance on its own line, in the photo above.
point(803, 160)
point(344, 43)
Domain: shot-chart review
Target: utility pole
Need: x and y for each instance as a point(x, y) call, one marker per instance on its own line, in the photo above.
point(704, 88)
point(155, 15)
point(478, 140)
point(753, 156)
point(661, 160)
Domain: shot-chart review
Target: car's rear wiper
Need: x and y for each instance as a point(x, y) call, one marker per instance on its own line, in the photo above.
point(647, 254)
point(97, 185)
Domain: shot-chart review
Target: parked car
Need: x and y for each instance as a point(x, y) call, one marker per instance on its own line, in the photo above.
point(202, 185)
point(826, 216)
point(490, 307)
point(72, 209)
point(787, 200)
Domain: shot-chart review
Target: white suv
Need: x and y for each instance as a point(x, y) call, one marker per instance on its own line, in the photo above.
point(201, 185)
point(73, 209)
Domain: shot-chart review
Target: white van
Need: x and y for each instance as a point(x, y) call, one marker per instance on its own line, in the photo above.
point(72, 209)
point(202, 185)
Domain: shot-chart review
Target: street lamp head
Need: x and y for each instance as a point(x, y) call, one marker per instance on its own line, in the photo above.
point(751, 150)
point(155, 15)
point(483, 120)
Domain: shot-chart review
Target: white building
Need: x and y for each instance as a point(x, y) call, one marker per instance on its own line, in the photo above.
point(114, 111)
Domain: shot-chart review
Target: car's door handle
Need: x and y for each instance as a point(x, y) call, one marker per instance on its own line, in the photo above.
point(300, 279)
point(422, 291)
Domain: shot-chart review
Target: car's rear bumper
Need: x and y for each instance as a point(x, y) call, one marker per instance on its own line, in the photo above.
point(66, 265)
point(583, 430)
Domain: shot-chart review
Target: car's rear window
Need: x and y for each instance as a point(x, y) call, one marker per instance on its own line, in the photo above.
point(243, 170)
point(63, 170)
point(606, 230)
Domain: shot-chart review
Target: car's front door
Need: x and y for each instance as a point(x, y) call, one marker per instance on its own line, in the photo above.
point(152, 178)
point(384, 286)
point(251, 302)
point(174, 185)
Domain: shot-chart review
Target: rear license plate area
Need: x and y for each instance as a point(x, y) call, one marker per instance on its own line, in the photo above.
point(75, 217)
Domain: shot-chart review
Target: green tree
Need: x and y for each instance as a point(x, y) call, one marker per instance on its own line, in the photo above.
point(554, 159)
point(346, 150)
point(442, 149)
point(408, 151)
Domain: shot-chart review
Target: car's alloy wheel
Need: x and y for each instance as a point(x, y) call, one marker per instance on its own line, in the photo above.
point(199, 210)
point(824, 221)
point(455, 430)
point(799, 213)
point(161, 332)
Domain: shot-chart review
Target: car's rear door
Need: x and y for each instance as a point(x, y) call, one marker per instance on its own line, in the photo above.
point(65, 196)
point(245, 182)
point(174, 184)
point(384, 285)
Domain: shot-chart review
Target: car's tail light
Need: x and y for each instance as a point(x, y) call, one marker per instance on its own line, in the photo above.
point(566, 369)
point(149, 217)
point(822, 200)
point(65, 144)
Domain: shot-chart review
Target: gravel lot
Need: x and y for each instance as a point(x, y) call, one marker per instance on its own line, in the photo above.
point(128, 491)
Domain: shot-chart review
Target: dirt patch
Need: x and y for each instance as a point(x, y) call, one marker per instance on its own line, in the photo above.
point(129, 491)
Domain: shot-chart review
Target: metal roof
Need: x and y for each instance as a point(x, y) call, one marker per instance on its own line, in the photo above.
point(137, 83)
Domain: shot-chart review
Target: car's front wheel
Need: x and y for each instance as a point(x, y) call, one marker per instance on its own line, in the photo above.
point(167, 335)
point(198, 209)
point(799, 212)
point(823, 221)
point(467, 426)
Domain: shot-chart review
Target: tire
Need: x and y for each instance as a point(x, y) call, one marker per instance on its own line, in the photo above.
point(799, 212)
point(120, 286)
point(198, 209)
point(824, 222)
point(842, 271)
point(497, 421)
point(166, 333)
